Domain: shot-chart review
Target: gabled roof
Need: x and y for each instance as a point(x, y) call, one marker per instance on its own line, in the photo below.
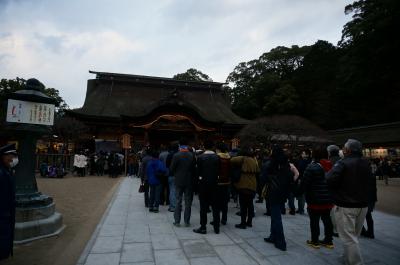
point(154, 79)
point(112, 96)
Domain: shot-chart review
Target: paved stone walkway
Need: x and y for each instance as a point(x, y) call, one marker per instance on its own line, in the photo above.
point(128, 234)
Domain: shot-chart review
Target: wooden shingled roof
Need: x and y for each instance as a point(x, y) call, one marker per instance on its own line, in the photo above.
point(372, 135)
point(115, 96)
point(283, 128)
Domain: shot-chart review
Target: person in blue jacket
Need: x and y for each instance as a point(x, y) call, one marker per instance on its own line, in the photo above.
point(155, 171)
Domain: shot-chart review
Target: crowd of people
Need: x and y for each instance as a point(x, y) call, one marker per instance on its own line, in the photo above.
point(104, 163)
point(339, 191)
point(385, 168)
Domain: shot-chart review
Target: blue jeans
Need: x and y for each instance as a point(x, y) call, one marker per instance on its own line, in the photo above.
point(155, 193)
point(172, 194)
point(131, 170)
point(277, 235)
point(183, 193)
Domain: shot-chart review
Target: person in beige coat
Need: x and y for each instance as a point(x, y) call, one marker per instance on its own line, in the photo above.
point(246, 185)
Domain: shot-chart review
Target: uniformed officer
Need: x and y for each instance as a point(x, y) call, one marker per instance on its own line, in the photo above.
point(8, 160)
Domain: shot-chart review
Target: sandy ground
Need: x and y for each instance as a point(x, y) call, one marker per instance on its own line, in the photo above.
point(389, 196)
point(82, 202)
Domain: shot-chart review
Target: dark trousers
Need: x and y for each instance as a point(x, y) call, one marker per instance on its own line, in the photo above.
point(186, 193)
point(146, 194)
point(207, 197)
point(291, 202)
point(268, 205)
point(315, 216)
point(246, 206)
point(222, 201)
point(370, 221)
point(164, 199)
point(100, 170)
point(155, 193)
point(277, 235)
point(6, 237)
point(130, 170)
point(260, 186)
point(81, 171)
point(300, 203)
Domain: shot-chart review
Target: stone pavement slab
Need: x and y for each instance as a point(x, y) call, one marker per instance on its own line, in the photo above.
point(130, 235)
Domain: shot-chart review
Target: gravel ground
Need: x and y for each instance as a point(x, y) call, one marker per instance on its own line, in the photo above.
point(82, 202)
point(389, 196)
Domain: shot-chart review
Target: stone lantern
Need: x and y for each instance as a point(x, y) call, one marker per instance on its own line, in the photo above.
point(30, 114)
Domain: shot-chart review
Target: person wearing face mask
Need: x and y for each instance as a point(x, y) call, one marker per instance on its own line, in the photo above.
point(8, 160)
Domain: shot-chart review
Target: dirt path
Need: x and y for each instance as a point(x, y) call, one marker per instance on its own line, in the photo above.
point(82, 202)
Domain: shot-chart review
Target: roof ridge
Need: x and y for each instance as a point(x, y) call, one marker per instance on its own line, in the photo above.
point(154, 78)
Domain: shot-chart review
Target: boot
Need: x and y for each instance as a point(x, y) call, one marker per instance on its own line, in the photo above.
point(200, 230)
point(249, 222)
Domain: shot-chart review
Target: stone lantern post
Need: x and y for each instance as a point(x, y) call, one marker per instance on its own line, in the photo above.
point(30, 114)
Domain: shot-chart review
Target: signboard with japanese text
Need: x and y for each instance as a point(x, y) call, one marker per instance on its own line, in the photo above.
point(126, 141)
point(30, 112)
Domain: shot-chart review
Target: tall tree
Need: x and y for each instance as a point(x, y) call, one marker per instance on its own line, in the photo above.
point(260, 86)
point(192, 75)
point(8, 86)
point(370, 62)
point(316, 84)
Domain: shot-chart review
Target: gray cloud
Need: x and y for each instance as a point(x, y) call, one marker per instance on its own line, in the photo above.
point(59, 41)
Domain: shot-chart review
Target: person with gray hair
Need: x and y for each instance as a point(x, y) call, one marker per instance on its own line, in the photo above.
point(333, 153)
point(350, 182)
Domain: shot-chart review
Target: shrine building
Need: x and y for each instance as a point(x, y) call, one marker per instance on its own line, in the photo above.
point(157, 110)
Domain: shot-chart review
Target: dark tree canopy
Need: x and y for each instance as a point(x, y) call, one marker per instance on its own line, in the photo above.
point(192, 75)
point(8, 86)
point(262, 87)
point(69, 128)
point(352, 84)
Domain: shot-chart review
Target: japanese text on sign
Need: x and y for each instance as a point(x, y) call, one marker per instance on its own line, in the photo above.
point(30, 112)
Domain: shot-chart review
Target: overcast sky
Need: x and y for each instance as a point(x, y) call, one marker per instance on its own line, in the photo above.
point(58, 41)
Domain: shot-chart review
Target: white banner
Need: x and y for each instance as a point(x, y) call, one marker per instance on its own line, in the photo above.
point(30, 112)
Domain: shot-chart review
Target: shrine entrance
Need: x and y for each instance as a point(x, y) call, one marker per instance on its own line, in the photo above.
point(165, 137)
point(168, 128)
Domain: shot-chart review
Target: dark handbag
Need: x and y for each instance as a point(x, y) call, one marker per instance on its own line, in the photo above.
point(141, 188)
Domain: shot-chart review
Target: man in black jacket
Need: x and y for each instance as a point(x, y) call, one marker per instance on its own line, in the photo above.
point(350, 181)
point(8, 160)
point(208, 169)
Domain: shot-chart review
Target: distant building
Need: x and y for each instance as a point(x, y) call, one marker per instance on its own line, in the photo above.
point(156, 110)
point(379, 140)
